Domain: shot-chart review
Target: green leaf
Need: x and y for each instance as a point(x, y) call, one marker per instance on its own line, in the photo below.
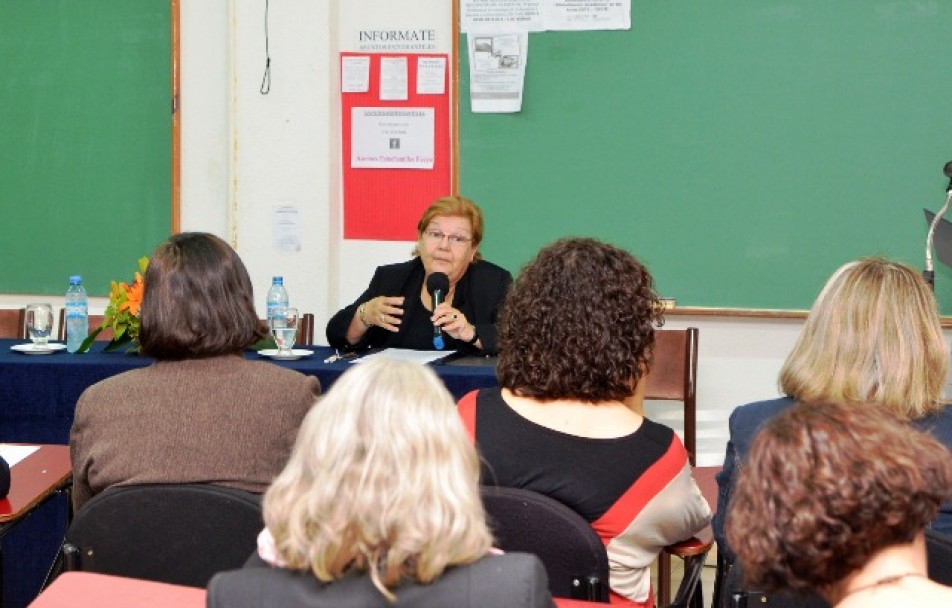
point(89, 340)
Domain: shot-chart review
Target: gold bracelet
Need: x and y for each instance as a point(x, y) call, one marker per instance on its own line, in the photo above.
point(360, 315)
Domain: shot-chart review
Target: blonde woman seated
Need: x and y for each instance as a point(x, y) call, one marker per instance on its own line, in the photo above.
point(872, 336)
point(379, 506)
point(835, 499)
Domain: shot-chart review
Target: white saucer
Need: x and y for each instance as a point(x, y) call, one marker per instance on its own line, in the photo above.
point(33, 349)
point(296, 353)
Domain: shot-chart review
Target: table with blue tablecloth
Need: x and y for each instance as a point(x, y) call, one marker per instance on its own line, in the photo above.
point(38, 395)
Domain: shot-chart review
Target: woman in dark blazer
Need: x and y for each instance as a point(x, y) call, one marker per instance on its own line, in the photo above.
point(396, 310)
point(379, 505)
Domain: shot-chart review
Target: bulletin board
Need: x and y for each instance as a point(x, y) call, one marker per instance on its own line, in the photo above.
point(386, 203)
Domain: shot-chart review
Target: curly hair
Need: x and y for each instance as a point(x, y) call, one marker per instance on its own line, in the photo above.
point(382, 480)
point(198, 300)
point(873, 335)
point(826, 486)
point(578, 323)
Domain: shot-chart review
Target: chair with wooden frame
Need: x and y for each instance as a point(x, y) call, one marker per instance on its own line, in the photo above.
point(13, 323)
point(573, 554)
point(673, 377)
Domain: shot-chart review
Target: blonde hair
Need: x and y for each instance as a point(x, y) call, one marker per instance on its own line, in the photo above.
point(382, 479)
point(873, 335)
point(454, 206)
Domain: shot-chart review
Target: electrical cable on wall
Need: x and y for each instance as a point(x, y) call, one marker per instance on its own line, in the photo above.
point(266, 79)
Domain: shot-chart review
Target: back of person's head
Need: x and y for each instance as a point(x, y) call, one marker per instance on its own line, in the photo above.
point(198, 300)
point(578, 323)
point(825, 487)
point(454, 206)
point(382, 479)
point(873, 335)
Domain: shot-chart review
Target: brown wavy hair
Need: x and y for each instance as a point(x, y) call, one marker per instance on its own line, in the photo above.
point(826, 486)
point(198, 300)
point(578, 323)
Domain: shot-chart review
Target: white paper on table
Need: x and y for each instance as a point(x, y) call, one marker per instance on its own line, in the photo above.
point(431, 75)
point(15, 453)
point(497, 69)
point(392, 138)
point(405, 354)
point(576, 15)
point(393, 79)
point(482, 14)
point(355, 74)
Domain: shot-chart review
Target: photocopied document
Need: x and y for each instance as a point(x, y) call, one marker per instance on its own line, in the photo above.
point(476, 15)
point(497, 70)
point(394, 78)
point(431, 75)
point(355, 74)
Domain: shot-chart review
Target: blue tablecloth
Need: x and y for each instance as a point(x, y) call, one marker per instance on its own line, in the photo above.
point(38, 395)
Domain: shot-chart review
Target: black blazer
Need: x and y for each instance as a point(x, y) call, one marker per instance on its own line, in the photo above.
point(514, 580)
point(479, 294)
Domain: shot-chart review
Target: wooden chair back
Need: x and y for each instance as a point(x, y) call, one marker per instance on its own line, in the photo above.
point(673, 377)
point(13, 323)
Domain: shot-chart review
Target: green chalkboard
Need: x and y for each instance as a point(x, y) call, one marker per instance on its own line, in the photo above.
point(85, 140)
point(742, 149)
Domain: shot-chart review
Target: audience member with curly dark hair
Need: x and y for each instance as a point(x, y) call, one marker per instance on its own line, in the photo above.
point(576, 333)
point(835, 498)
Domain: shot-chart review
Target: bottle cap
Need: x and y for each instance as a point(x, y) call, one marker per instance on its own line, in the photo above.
point(278, 280)
point(75, 279)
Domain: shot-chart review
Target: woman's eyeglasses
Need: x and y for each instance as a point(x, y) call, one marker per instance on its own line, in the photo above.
point(435, 236)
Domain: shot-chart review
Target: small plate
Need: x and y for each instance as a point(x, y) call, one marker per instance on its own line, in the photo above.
point(296, 353)
point(32, 349)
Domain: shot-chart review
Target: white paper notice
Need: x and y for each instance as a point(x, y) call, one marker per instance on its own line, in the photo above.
point(15, 453)
point(476, 15)
point(587, 14)
point(392, 138)
point(393, 79)
point(403, 354)
point(355, 74)
point(285, 228)
point(497, 69)
point(431, 75)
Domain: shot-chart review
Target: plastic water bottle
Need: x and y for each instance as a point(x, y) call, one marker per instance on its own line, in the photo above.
point(77, 314)
point(277, 297)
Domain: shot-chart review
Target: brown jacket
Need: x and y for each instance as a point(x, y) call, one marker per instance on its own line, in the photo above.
point(222, 420)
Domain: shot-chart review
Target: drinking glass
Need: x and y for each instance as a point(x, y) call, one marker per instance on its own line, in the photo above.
point(284, 326)
point(39, 323)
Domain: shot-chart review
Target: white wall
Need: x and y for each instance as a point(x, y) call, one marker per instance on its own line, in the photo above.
point(243, 153)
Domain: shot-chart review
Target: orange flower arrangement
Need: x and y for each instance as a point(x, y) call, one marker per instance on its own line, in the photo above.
point(122, 313)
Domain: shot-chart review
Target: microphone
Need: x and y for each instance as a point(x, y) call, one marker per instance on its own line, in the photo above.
point(929, 273)
point(438, 284)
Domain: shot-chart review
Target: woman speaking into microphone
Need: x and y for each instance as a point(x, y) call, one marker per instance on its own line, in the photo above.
point(399, 311)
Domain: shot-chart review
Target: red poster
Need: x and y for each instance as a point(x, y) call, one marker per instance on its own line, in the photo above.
point(386, 203)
